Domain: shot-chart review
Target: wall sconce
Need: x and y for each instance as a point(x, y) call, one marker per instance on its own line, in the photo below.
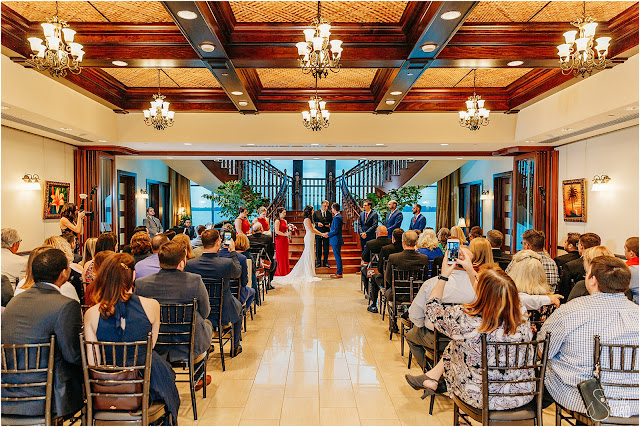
point(143, 194)
point(462, 223)
point(32, 181)
point(485, 195)
point(599, 182)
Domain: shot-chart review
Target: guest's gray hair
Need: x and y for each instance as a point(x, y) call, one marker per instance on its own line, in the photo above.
point(10, 237)
point(257, 228)
point(228, 227)
point(261, 209)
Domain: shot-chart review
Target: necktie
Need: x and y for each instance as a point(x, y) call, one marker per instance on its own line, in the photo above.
point(366, 215)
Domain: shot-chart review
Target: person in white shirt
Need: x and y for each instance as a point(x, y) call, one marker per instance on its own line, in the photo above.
point(66, 288)
point(13, 266)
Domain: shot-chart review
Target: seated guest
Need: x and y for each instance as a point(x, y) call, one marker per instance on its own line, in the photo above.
point(196, 242)
point(496, 238)
point(476, 231)
point(262, 218)
point(418, 221)
point(443, 235)
point(140, 246)
point(534, 240)
point(170, 234)
point(89, 252)
point(13, 266)
point(7, 291)
point(187, 229)
point(66, 289)
point(481, 250)
point(72, 239)
point(260, 239)
point(457, 233)
point(89, 294)
point(247, 294)
point(173, 285)
point(606, 312)
point(374, 246)
point(631, 254)
point(151, 264)
point(106, 242)
point(127, 248)
point(574, 271)
point(31, 318)
point(429, 245)
point(75, 278)
point(497, 312)
point(183, 239)
point(120, 316)
point(571, 247)
point(528, 274)
point(211, 266)
point(392, 248)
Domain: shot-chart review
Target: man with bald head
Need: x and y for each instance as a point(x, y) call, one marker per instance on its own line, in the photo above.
point(151, 265)
point(373, 247)
point(394, 217)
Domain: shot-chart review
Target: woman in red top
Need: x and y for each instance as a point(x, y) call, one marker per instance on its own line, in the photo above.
point(262, 218)
point(242, 223)
point(282, 243)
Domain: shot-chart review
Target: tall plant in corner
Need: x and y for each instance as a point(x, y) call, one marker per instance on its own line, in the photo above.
point(233, 194)
point(405, 196)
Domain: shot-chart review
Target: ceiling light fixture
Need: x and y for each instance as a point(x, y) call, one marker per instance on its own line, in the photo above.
point(566, 129)
point(66, 129)
point(409, 74)
point(243, 103)
point(515, 63)
point(4, 107)
point(459, 158)
point(251, 144)
point(444, 145)
point(396, 93)
point(237, 93)
point(429, 47)
point(314, 145)
point(316, 158)
point(632, 108)
point(379, 145)
point(318, 116)
point(188, 143)
point(476, 115)
point(60, 54)
point(316, 57)
point(187, 14)
point(577, 54)
point(207, 47)
point(158, 115)
point(448, 16)
point(102, 140)
point(390, 101)
point(119, 63)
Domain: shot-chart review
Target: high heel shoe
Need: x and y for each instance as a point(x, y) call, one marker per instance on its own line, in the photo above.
point(417, 382)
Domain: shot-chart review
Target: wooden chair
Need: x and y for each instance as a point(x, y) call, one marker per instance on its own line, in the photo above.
point(508, 357)
point(234, 286)
point(111, 378)
point(222, 334)
point(177, 329)
point(405, 284)
point(262, 276)
point(262, 260)
point(612, 360)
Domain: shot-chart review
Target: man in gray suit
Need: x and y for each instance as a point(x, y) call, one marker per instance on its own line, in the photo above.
point(31, 318)
point(152, 223)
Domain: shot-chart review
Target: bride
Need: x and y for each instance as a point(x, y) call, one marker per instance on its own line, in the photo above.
point(305, 269)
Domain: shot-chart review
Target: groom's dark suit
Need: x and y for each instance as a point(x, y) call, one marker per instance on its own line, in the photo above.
point(335, 240)
point(322, 243)
point(367, 223)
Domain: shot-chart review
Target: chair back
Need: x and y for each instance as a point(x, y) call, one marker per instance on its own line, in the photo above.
point(214, 289)
point(234, 287)
point(117, 376)
point(21, 365)
point(406, 283)
point(177, 326)
point(505, 358)
point(612, 363)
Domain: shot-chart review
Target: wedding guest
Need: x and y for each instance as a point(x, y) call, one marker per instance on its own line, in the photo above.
point(187, 229)
point(75, 276)
point(496, 238)
point(443, 235)
point(373, 247)
point(247, 294)
point(170, 234)
point(262, 218)
point(457, 233)
point(418, 221)
point(322, 221)
point(89, 294)
point(72, 239)
point(631, 254)
point(106, 242)
point(89, 251)
point(71, 220)
point(476, 231)
point(152, 223)
point(183, 239)
point(66, 289)
point(196, 242)
point(259, 239)
point(429, 245)
point(140, 246)
point(241, 223)
point(7, 292)
point(571, 247)
point(534, 240)
point(394, 217)
point(378, 279)
point(573, 271)
point(127, 248)
point(481, 250)
point(13, 266)
point(151, 264)
point(282, 242)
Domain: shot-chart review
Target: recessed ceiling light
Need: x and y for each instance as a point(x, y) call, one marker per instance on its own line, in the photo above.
point(390, 101)
point(444, 145)
point(251, 144)
point(529, 140)
point(612, 115)
point(4, 107)
point(237, 93)
point(119, 63)
point(225, 74)
point(316, 158)
point(452, 14)
point(188, 143)
point(170, 158)
point(631, 108)
point(219, 159)
point(187, 14)
point(409, 158)
point(102, 140)
point(459, 158)
point(409, 74)
point(396, 92)
point(267, 158)
point(429, 47)
point(515, 63)
point(66, 129)
point(379, 145)
point(314, 144)
point(566, 129)
point(363, 158)
point(243, 103)
point(207, 47)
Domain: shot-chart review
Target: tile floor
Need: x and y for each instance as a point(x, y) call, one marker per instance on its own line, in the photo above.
point(313, 355)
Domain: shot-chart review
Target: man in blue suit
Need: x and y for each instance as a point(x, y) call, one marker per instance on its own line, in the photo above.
point(394, 217)
point(367, 224)
point(418, 222)
point(335, 239)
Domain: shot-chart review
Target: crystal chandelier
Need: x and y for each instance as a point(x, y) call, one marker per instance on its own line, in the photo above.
point(577, 54)
point(60, 54)
point(318, 116)
point(158, 115)
point(316, 57)
point(476, 115)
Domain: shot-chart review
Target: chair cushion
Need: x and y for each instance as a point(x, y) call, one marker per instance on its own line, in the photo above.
point(154, 410)
point(21, 420)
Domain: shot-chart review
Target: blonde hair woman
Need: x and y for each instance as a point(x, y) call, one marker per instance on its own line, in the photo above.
point(428, 244)
point(66, 289)
point(481, 250)
point(580, 290)
point(89, 250)
point(457, 233)
point(183, 239)
point(75, 278)
point(528, 274)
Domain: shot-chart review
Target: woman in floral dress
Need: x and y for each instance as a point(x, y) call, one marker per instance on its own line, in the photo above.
point(462, 359)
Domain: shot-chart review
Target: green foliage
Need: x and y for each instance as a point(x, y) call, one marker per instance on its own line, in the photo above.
point(405, 196)
point(234, 194)
point(185, 218)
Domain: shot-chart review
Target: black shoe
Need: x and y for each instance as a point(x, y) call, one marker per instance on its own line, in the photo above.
point(372, 309)
point(317, 265)
point(237, 351)
point(270, 287)
point(395, 330)
point(327, 265)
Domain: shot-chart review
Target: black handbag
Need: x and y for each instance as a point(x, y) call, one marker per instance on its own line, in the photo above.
point(593, 396)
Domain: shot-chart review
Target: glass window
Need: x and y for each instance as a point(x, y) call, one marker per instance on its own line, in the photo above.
point(523, 205)
point(427, 201)
point(201, 211)
point(106, 196)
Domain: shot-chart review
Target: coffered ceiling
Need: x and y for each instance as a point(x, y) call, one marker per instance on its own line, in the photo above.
point(255, 51)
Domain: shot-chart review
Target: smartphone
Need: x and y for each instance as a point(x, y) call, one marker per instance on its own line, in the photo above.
point(226, 238)
point(453, 246)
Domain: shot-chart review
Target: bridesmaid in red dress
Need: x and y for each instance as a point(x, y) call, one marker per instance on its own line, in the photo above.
point(242, 223)
point(282, 243)
point(262, 218)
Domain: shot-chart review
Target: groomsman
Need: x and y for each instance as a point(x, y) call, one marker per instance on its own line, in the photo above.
point(418, 222)
point(335, 239)
point(152, 223)
point(322, 220)
point(394, 217)
point(367, 224)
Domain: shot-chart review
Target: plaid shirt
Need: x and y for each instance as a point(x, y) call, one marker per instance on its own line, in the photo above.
point(615, 319)
point(550, 269)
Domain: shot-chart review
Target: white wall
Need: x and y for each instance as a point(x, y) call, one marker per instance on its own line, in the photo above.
point(144, 169)
point(612, 214)
point(483, 170)
point(22, 209)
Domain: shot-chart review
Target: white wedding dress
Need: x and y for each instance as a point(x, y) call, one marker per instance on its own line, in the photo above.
point(305, 269)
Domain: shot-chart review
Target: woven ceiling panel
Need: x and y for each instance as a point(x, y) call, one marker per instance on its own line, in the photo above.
point(293, 78)
point(192, 77)
point(542, 11)
point(493, 77)
point(306, 11)
point(441, 77)
point(97, 11)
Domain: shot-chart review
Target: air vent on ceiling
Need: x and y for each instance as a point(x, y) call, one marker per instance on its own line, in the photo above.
point(43, 128)
point(592, 128)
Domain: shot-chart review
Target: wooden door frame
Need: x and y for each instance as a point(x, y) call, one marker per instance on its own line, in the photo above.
point(467, 208)
point(165, 224)
point(121, 173)
point(114, 187)
point(516, 159)
point(497, 195)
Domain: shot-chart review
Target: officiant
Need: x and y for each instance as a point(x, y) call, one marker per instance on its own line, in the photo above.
point(322, 220)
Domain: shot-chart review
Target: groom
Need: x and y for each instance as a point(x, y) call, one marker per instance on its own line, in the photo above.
point(335, 239)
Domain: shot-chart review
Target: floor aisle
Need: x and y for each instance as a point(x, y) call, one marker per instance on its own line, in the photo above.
point(315, 356)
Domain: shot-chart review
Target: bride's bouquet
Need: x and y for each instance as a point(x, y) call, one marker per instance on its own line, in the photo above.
point(292, 229)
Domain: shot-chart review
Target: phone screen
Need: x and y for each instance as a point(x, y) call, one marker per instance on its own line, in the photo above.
point(227, 238)
point(453, 247)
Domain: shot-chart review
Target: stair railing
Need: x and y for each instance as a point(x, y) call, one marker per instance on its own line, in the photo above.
point(281, 198)
point(350, 207)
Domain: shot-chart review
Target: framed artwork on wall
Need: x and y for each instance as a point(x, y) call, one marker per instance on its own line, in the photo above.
point(56, 194)
point(574, 200)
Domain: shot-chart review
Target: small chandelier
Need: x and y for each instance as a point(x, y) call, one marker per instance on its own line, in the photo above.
point(318, 116)
point(577, 54)
point(60, 54)
point(158, 115)
point(315, 57)
point(476, 115)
